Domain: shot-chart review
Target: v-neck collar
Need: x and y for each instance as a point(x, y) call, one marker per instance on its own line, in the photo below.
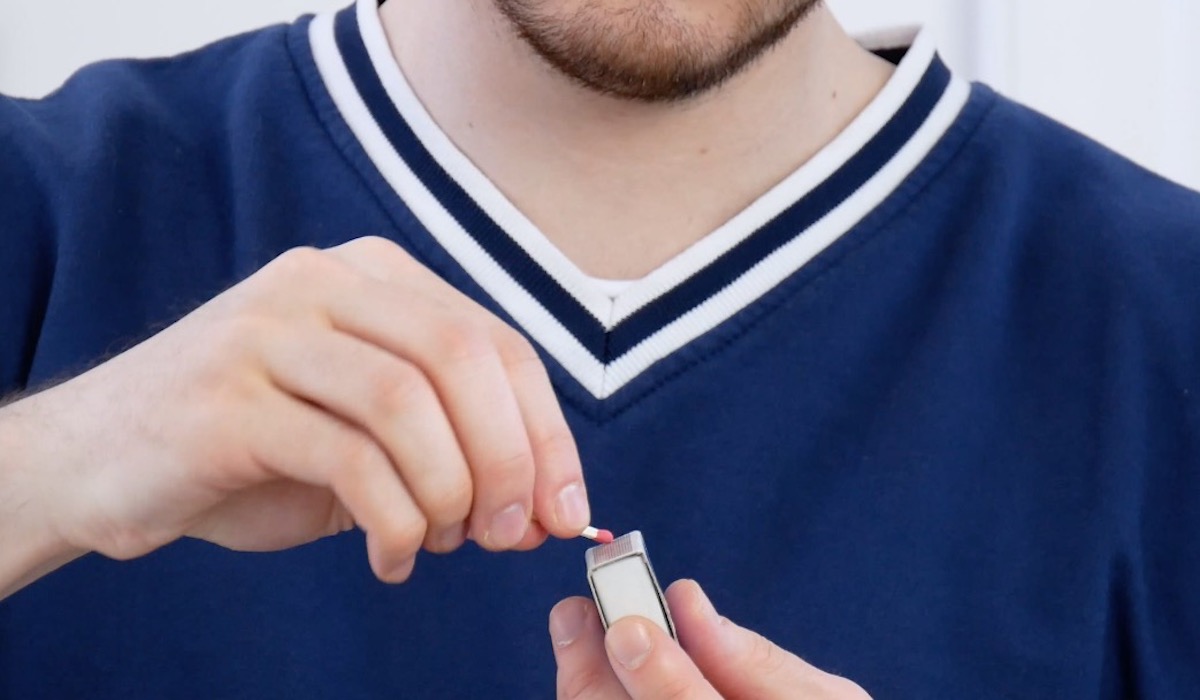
point(603, 341)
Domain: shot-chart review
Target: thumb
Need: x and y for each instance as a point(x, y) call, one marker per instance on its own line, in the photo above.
point(651, 665)
point(743, 664)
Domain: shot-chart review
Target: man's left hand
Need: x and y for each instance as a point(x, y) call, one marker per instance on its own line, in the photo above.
point(714, 658)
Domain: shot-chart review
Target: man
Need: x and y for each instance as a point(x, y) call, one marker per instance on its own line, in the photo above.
point(905, 374)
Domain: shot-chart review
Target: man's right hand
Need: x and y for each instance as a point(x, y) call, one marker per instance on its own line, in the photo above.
point(331, 389)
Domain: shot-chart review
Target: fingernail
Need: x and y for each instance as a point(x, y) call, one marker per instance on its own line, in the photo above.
point(567, 621)
point(508, 527)
point(450, 539)
point(629, 643)
point(572, 508)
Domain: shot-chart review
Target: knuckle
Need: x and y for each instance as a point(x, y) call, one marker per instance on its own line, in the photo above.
point(386, 257)
point(357, 455)
point(300, 272)
point(242, 334)
point(517, 351)
point(300, 263)
point(767, 658)
point(227, 369)
point(399, 389)
point(123, 542)
point(378, 247)
point(403, 534)
point(459, 340)
point(452, 503)
point(555, 445)
point(505, 468)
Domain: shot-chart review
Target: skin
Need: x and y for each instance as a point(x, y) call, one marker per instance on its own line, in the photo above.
point(331, 389)
point(441, 424)
point(620, 186)
point(713, 659)
point(652, 51)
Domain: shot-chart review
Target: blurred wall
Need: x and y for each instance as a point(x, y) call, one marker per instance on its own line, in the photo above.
point(1125, 73)
point(43, 41)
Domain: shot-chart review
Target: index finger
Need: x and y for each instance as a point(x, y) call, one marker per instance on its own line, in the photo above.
point(560, 501)
point(400, 306)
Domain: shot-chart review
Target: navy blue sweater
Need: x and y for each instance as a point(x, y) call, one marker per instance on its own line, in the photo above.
point(932, 402)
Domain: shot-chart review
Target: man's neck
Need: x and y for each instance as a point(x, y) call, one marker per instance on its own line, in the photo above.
point(620, 187)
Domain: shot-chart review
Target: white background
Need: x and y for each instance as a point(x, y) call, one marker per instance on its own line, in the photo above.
point(1127, 73)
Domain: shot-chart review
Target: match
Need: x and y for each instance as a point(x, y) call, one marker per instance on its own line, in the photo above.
point(596, 535)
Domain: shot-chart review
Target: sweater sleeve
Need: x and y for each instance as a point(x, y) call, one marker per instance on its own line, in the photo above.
point(26, 238)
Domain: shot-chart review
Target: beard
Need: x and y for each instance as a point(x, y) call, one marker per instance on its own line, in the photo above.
point(651, 50)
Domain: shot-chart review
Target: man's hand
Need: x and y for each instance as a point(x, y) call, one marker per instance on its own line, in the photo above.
point(638, 660)
point(331, 389)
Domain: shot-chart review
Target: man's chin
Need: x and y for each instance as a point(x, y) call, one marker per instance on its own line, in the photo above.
point(649, 54)
point(656, 81)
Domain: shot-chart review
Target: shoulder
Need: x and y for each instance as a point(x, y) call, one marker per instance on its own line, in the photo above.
point(114, 114)
point(1076, 223)
point(1058, 185)
point(122, 152)
point(124, 148)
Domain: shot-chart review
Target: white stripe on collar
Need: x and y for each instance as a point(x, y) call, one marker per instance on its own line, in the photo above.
point(599, 378)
